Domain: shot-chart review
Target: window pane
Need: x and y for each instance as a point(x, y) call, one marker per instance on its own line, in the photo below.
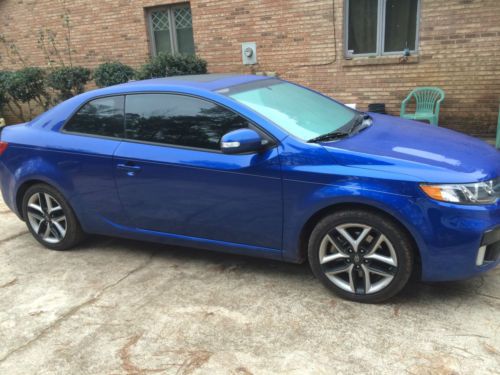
point(99, 117)
point(362, 37)
point(162, 41)
point(184, 30)
point(400, 25)
point(161, 31)
point(179, 120)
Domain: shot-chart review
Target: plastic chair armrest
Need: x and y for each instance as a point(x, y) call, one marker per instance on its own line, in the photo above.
point(438, 106)
point(404, 103)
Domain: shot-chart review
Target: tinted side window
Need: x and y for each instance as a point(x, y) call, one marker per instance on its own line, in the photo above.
point(179, 120)
point(102, 116)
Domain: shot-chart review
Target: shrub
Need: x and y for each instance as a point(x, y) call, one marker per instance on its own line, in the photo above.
point(27, 85)
point(165, 65)
point(68, 81)
point(112, 73)
point(22, 89)
point(3, 91)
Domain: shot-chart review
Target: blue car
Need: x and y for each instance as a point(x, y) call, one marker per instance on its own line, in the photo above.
point(264, 167)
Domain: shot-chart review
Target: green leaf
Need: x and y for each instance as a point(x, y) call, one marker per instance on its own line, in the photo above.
point(166, 65)
point(113, 73)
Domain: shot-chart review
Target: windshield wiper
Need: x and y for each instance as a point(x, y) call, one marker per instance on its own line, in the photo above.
point(360, 122)
point(329, 136)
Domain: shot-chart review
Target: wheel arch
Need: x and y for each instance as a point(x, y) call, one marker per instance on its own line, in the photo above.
point(21, 191)
point(25, 185)
point(309, 225)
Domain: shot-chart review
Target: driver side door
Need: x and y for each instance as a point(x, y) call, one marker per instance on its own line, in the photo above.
point(173, 178)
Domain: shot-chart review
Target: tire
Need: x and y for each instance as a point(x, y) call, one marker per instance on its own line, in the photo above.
point(43, 210)
point(346, 246)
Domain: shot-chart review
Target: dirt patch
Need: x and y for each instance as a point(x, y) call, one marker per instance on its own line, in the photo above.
point(243, 371)
point(125, 356)
point(195, 359)
point(10, 283)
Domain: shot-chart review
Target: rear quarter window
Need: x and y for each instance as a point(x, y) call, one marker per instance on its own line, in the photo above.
point(102, 117)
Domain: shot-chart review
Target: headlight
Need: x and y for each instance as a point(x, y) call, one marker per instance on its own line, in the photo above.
point(486, 192)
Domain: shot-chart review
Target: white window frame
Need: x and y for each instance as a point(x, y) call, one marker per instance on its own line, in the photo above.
point(382, 6)
point(170, 9)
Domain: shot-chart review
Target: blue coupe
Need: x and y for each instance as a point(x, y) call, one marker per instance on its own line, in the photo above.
point(264, 167)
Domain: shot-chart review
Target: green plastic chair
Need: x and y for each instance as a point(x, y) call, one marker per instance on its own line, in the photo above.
point(428, 102)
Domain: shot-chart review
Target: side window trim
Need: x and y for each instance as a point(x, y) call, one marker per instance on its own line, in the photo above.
point(273, 142)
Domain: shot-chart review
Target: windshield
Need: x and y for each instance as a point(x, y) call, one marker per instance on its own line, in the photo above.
point(299, 111)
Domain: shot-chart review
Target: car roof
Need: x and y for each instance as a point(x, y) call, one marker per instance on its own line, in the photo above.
point(195, 84)
point(209, 82)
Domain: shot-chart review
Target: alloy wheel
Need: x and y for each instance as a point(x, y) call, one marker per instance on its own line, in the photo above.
point(47, 218)
point(358, 258)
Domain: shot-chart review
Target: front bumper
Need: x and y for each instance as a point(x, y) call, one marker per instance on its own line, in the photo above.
point(459, 241)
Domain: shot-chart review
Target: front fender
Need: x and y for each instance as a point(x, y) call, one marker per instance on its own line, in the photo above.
point(304, 200)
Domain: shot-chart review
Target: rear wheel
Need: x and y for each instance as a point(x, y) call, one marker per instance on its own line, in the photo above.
point(50, 218)
point(360, 255)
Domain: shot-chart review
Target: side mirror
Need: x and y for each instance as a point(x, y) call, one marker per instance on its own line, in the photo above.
point(242, 141)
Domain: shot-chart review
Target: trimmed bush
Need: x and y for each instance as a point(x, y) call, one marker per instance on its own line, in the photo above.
point(166, 65)
point(26, 85)
point(112, 73)
point(27, 91)
point(3, 91)
point(68, 81)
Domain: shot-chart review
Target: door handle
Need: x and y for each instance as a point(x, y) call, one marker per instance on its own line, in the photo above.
point(130, 168)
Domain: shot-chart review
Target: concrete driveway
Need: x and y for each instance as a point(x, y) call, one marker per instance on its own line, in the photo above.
point(123, 307)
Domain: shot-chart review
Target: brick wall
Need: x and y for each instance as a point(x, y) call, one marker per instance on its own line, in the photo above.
point(301, 40)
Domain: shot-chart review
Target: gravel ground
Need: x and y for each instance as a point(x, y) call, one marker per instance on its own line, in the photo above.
point(123, 307)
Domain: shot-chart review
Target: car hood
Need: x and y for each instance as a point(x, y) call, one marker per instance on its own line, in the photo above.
point(426, 152)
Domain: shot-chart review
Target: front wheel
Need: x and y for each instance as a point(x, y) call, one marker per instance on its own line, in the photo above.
point(50, 218)
point(360, 255)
